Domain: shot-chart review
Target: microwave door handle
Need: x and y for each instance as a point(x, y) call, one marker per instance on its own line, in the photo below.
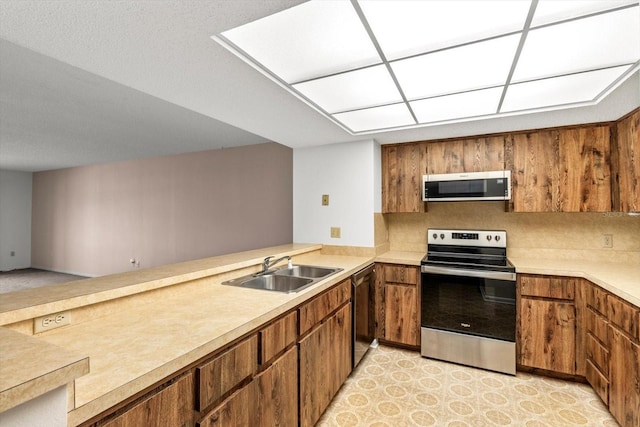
point(496, 275)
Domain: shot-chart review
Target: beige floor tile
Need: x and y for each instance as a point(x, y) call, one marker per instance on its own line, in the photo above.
point(393, 387)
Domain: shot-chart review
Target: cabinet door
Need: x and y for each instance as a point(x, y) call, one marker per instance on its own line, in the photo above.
point(566, 170)
point(401, 322)
point(402, 170)
point(325, 363)
point(277, 392)
point(624, 379)
point(467, 155)
point(547, 335)
point(171, 406)
point(585, 169)
point(626, 164)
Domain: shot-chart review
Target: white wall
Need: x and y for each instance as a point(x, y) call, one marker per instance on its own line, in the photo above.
point(15, 219)
point(47, 410)
point(350, 174)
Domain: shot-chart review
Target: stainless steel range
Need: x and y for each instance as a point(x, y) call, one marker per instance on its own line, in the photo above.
point(469, 299)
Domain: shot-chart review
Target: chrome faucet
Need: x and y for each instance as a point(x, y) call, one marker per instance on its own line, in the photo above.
point(267, 263)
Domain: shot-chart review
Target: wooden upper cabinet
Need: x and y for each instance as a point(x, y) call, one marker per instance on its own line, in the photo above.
point(561, 170)
point(467, 155)
point(402, 169)
point(626, 164)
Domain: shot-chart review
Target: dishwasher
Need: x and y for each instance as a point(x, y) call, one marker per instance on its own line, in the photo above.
point(363, 312)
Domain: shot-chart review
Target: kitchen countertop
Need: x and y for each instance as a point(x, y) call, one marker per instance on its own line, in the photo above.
point(171, 327)
point(143, 343)
point(621, 279)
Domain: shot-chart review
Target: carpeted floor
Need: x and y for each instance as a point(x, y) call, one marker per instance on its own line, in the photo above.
point(27, 278)
point(397, 388)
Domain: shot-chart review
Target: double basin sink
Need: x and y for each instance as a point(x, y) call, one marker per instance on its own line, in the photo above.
point(288, 280)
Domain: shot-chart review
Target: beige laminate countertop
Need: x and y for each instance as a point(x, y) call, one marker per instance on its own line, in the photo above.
point(154, 334)
point(621, 279)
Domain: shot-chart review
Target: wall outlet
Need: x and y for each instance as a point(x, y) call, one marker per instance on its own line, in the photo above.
point(335, 232)
point(51, 321)
point(607, 240)
point(325, 200)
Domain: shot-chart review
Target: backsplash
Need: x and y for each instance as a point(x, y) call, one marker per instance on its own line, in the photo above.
point(538, 235)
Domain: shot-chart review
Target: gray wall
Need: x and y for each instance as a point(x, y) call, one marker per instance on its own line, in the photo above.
point(15, 219)
point(92, 220)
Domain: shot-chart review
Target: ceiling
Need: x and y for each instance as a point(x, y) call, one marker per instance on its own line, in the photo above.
point(101, 81)
point(391, 64)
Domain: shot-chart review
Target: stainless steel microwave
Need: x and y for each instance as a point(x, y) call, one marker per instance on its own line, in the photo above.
point(455, 187)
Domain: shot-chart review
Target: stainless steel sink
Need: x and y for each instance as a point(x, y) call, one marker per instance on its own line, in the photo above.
point(306, 271)
point(288, 280)
point(272, 282)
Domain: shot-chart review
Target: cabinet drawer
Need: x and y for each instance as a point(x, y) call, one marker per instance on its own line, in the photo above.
point(222, 374)
point(623, 315)
point(401, 274)
point(547, 287)
point(597, 299)
point(598, 354)
point(236, 410)
point(277, 336)
point(597, 326)
point(598, 381)
point(321, 306)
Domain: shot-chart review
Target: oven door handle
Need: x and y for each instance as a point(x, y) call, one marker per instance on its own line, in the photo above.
point(497, 275)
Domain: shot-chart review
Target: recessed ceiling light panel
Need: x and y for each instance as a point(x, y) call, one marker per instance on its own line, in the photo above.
point(474, 66)
point(549, 11)
point(572, 88)
point(600, 41)
point(461, 105)
point(307, 41)
point(405, 28)
point(362, 88)
point(389, 116)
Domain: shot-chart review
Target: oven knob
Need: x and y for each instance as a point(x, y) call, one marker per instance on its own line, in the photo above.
point(442, 236)
point(488, 237)
point(497, 238)
point(435, 236)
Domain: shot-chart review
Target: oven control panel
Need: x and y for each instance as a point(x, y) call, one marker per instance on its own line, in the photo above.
point(484, 238)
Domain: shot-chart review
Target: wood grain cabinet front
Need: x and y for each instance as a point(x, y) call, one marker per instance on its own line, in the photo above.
point(325, 356)
point(624, 361)
point(172, 405)
point(546, 326)
point(225, 372)
point(402, 168)
point(626, 164)
point(398, 296)
point(561, 170)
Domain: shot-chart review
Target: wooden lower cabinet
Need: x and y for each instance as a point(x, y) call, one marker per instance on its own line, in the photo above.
point(170, 406)
point(269, 400)
point(548, 335)
point(325, 363)
point(624, 379)
point(398, 296)
point(546, 330)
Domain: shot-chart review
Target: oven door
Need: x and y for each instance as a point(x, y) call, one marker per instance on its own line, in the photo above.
point(469, 317)
point(471, 302)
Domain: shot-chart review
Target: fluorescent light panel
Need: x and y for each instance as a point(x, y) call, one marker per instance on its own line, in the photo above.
point(556, 91)
point(459, 69)
point(412, 27)
point(352, 90)
point(447, 60)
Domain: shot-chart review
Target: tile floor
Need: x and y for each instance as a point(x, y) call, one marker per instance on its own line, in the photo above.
point(396, 388)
